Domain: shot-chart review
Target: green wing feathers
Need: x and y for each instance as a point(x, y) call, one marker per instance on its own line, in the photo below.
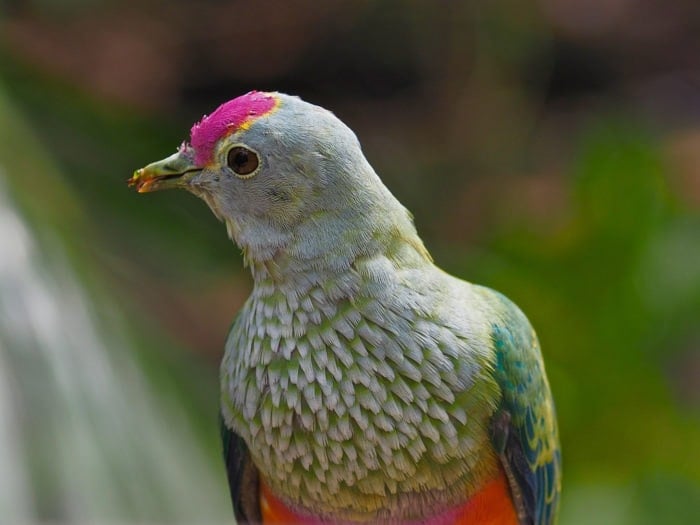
point(525, 428)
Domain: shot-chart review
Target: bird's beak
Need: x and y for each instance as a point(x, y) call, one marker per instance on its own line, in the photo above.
point(175, 171)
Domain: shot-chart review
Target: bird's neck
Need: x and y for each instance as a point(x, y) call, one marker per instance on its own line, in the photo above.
point(328, 244)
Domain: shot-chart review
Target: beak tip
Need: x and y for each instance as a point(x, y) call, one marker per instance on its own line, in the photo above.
point(143, 184)
point(137, 181)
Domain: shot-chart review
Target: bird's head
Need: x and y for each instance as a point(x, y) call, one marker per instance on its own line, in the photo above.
point(282, 174)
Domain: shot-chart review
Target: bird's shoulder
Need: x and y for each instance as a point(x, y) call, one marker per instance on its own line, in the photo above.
point(524, 428)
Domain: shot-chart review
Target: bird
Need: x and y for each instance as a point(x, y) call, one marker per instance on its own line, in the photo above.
point(360, 383)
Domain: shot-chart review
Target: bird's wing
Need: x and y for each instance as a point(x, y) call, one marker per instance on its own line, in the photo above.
point(524, 429)
point(243, 479)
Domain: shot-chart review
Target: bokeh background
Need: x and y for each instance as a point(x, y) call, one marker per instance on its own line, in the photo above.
point(549, 149)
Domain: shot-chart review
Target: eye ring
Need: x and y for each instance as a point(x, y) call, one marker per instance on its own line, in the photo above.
point(244, 162)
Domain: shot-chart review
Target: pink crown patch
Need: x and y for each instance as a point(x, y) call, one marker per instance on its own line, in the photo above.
point(226, 119)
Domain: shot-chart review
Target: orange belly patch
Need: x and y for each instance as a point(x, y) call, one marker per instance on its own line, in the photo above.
point(273, 511)
point(492, 505)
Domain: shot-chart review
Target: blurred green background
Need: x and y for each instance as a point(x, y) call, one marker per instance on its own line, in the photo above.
point(548, 149)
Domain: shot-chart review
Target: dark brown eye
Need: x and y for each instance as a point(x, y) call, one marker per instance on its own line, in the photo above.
point(242, 160)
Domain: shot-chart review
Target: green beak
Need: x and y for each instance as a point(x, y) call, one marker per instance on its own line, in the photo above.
point(174, 171)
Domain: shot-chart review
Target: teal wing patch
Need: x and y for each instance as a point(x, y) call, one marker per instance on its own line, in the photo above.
point(524, 429)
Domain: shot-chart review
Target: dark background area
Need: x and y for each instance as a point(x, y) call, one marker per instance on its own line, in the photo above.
point(548, 149)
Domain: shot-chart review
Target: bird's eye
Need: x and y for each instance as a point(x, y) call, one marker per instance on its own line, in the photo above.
point(242, 161)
